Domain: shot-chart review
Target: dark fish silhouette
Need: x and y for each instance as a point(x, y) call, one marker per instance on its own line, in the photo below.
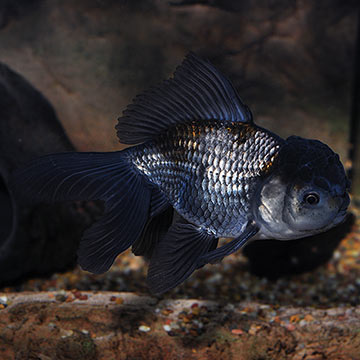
point(198, 152)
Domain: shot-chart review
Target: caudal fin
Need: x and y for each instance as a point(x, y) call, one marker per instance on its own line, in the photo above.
point(90, 176)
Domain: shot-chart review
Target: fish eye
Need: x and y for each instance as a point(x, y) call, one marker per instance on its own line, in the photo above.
point(312, 198)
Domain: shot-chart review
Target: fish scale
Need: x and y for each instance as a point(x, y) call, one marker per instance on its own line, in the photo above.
point(209, 168)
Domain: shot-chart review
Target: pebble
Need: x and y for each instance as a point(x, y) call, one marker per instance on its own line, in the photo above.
point(167, 312)
point(195, 311)
point(349, 312)
point(3, 300)
point(66, 333)
point(290, 327)
point(214, 278)
point(294, 318)
point(60, 298)
point(254, 329)
point(334, 312)
point(117, 300)
point(69, 298)
point(167, 328)
point(144, 328)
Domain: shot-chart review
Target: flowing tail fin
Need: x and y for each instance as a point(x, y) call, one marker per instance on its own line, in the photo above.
point(90, 176)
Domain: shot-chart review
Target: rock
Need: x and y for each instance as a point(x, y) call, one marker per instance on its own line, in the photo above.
point(34, 239)
point(37, 326)
point(12, 9)
point(292, 64)
point(291, 61)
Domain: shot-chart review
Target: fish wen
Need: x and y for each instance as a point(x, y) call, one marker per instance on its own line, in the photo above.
point(199, 169)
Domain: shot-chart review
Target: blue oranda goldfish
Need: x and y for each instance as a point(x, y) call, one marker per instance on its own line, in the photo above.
point(200, 169)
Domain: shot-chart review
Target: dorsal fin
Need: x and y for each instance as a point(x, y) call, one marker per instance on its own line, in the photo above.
point(197, 91)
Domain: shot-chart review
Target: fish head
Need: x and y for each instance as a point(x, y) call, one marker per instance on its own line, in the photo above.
point(307, 192)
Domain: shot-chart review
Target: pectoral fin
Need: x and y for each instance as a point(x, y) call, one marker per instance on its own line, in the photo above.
point(176, 256)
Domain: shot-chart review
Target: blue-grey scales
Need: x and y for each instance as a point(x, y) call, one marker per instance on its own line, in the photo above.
point(199, 169)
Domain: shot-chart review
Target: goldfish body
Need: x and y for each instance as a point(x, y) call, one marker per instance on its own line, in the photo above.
point(196, 151)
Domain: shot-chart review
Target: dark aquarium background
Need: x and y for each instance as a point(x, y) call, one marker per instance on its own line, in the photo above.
point(291, 61)
point(69, 68)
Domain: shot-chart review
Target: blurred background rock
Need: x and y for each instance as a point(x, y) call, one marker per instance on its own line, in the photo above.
point(74, 66)
point(291, 61)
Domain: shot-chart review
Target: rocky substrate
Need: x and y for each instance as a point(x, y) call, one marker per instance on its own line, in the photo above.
point(113, 325)
point(222, 311)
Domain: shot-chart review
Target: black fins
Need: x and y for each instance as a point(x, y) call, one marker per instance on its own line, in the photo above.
point(176, 256)
point(70, 176)
point(198, 91)
point(218, 254)
point(155, 229)
point(161, 216)
point(186, 248)
point(90, 176)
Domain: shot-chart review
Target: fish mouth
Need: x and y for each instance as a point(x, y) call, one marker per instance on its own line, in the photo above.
point(338, 220)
